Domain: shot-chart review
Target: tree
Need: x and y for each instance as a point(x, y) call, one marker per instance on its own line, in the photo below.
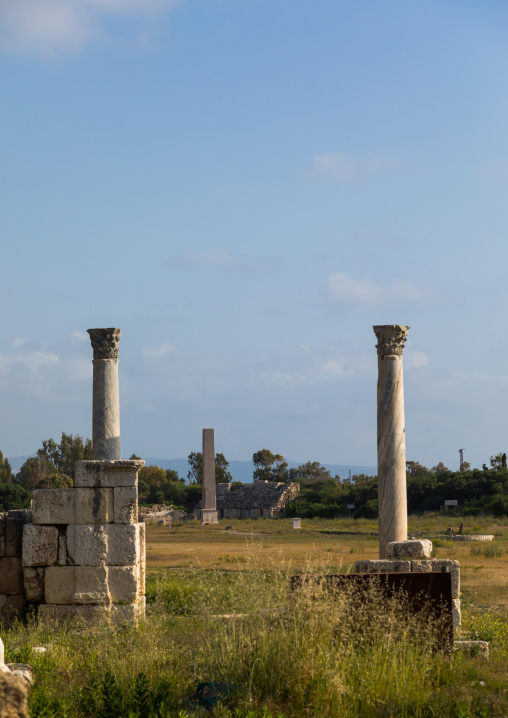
point(5, 470)
point(56, 481)
point(222, 473)
point(35, 469)
point(14, 497)
point(439, 468)
point(65, 454)
point(269, 467)
point(498, 461)
point(195, 473)
point(310, 472)
point(414, 468)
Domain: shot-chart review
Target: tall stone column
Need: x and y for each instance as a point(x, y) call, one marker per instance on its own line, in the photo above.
point(209, 510)
point(391, 437)
point(106, 398)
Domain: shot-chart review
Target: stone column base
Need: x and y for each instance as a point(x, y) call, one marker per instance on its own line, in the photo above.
point(419, 566)
point(209, 516)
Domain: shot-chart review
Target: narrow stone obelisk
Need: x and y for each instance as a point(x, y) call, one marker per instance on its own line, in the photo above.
point(209, 510)
point(106, 398)
point(391, 437)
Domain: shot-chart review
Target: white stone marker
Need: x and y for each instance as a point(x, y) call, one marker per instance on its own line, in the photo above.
point(106, 399)
point(209, 510)
point(391, 438)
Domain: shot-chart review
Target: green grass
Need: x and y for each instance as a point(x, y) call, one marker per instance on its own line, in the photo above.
point(298, 654)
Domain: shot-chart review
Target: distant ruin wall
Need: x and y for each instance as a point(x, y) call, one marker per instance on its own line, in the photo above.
point(260, 499)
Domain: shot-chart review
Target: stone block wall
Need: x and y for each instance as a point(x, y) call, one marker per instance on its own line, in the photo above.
point(261, 498)
point(419, 566)
point(12, 595)
point(81, 552)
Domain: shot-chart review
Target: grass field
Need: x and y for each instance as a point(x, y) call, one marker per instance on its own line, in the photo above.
point(219, 616)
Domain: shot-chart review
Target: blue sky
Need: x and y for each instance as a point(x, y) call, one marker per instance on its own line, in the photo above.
point(245, 187)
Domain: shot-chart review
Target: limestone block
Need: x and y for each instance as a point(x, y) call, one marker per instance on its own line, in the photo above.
point(13, 535)
point(456, 614)
point(387, 566)
point(87, 545)
point(11, 575)
point(438, 565)
point(142, 542)
point(40, 545)
point(361, 566)
point(473, 648)
point(414, 549)
point(76, 584)
point(142, 578)
point(13, 693)
point(63, 558)
point(73, 506)
point(126, 505)
point(107, 474)
point(10, 606)
point(123, 584)
point(106, 545)
point(128, 613)
point(88, 614)
point(33, 580)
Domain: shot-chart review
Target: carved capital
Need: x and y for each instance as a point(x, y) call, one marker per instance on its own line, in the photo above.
point(391, 338)
point(105, 343)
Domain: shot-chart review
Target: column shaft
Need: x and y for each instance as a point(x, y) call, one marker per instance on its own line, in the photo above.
point(106, 410)
point(106, 396)
point(391, 437)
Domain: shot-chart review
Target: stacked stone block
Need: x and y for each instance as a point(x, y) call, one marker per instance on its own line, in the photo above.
point(12, 598)
point(419, 566)
point(84, 551)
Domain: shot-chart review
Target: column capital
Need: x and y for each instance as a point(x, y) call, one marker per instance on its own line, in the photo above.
point(105, 342)
point(391, 338)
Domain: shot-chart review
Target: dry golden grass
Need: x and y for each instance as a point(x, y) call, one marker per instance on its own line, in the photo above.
point(323, 546)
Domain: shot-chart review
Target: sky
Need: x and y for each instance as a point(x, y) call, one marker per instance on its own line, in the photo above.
point(246, 187)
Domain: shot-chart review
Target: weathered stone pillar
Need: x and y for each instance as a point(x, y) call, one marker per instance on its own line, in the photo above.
point(209, 510)
point(106, 400)
point(391, 438)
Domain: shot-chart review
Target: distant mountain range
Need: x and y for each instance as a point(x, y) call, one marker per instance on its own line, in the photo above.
point(240, 470)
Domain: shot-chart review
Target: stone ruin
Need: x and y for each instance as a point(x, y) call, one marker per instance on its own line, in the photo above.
point(80, 552)
point(397, 554)
point(252, 501)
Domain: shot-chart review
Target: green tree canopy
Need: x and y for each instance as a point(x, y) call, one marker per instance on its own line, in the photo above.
point(195, 473)
point(13, 496)
point(269, 467)
point(310, 471)
point(65, 454)
point(5, 470)
point(35, 469)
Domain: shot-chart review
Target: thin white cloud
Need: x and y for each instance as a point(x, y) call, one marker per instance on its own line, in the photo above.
point(32, 359)
point(341, 167)
point(78, 337)
point(18, 342)
point(345, 290)
point(50, 27)
point(158, 352)
point(331, 369)
point(218, 259)
point(415, 359)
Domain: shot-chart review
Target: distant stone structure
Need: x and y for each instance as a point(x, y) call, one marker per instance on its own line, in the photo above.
point(252, 501)
point(80, 552)
point(209, 500)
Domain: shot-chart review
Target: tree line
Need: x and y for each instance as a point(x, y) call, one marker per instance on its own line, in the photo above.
point(476, 490)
